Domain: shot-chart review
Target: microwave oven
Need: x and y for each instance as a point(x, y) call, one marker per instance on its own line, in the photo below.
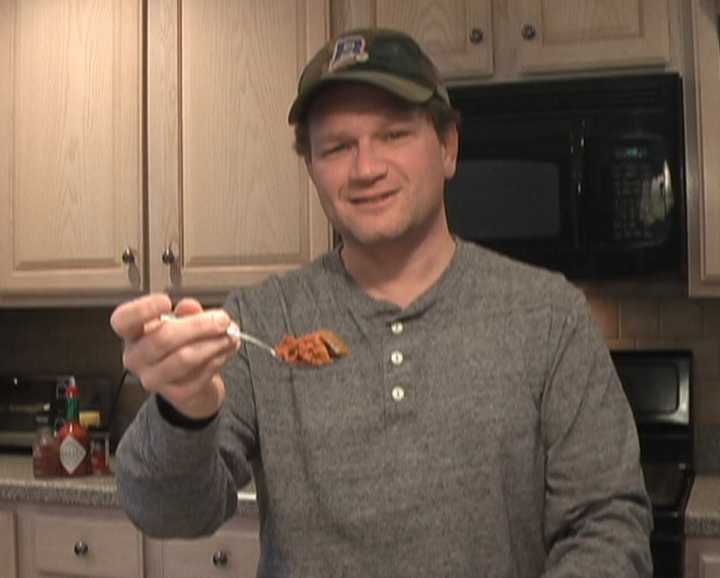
point(584, 176)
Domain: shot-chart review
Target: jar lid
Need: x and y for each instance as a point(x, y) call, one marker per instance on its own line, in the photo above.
point(89, 418)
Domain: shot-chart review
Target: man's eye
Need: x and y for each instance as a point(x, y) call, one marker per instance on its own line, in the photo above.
point(395, 134)
point(334, 149)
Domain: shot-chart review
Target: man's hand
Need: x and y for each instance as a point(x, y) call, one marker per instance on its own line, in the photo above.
point(177, 359)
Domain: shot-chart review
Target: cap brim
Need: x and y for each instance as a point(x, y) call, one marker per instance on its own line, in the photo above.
point(400, 87)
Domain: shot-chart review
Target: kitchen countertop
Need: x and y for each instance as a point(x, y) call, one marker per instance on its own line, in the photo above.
point(18, 484)
point(702, 515)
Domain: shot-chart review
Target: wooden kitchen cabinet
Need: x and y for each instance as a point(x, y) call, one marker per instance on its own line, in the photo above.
point(194, 190)
point(75, 541)
point(8, 553)
point(702, 558)
point(509, 39)
point(71, 179)
point(234, 550)
point(229, 200)
point(703, 120)
point(42, 540)
point(563, 35)
point(457, 34)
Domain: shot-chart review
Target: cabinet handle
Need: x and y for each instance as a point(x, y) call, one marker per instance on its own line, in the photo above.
point(528, 32)
point(80, 548)
point(128, 256)
point(476, 35)
point(220, 559)
point(168, 257)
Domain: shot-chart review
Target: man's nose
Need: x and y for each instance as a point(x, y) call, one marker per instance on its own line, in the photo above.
point(368, 163)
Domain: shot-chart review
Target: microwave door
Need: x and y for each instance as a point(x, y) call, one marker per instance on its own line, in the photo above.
point(515, 187)
point(630, 201)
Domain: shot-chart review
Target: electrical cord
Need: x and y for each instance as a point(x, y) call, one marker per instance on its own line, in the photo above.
point(116, 397)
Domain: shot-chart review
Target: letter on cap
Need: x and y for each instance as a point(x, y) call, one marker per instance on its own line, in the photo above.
point(348, 50)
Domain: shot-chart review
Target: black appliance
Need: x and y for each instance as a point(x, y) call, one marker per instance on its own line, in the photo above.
point(24, 397)
point(584, 176)
point(658, 387)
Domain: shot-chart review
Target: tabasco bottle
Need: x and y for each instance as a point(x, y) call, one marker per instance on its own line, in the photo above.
point(73, 437)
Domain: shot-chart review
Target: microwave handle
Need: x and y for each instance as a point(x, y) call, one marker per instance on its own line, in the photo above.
point(577, 161)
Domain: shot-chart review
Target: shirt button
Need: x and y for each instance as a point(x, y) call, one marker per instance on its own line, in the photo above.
point(398, 393)
point(396, 357)
point(397, 328)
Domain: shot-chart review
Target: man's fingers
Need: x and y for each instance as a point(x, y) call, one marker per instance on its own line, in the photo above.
point(181, 363)
point(188, 306)
point(129, 320)
point(170, 335)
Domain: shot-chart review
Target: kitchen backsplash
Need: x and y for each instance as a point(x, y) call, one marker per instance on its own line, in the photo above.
point(80, 340)
point(68, 340)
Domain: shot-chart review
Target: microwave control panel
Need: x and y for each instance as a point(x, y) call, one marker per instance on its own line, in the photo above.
point(641, 189)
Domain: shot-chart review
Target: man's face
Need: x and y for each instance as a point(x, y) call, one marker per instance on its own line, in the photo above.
point(379, 168)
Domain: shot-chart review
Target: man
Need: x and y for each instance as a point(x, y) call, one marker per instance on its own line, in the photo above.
point(476, 429)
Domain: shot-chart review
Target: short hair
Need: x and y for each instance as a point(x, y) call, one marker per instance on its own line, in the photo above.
point(441, 115)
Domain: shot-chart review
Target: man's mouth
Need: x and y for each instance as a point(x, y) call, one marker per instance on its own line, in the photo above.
point(371, 199)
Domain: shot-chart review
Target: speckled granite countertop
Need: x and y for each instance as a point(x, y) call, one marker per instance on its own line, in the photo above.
point(17, 483)
point(702, 516)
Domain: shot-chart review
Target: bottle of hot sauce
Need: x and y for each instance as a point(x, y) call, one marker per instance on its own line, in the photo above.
point(73, 437)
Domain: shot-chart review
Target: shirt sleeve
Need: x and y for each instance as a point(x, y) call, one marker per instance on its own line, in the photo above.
point(179, 482)
point(597, 512)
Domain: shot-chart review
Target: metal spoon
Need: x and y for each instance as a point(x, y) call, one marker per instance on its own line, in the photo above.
point(233, 331)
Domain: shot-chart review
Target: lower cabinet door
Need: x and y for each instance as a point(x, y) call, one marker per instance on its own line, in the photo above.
point(101, 544)
point(8, 553)
point(233, 550)
point(702, 558)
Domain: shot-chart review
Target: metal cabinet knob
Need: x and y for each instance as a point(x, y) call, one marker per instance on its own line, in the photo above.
point(168, 257)
point(476, 35)
point(128, 256)
point(80, 548)
point(220, 559)
point(528, 32)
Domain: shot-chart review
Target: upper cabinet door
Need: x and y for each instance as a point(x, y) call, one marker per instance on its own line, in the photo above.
point(704, 121)
point(457, 34)
point(230, 202)
point(70, 146)
point(559, 35)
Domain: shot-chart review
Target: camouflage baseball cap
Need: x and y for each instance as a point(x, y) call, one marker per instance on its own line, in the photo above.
point(385, 58)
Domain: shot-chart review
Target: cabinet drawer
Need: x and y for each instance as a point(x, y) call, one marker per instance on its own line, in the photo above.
point(7, 545)
point(229, 552)
point(105, 545)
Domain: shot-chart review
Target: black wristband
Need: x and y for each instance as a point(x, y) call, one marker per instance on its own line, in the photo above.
point(174, 417)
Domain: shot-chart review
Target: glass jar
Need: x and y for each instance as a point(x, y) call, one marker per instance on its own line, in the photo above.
point(45, 451)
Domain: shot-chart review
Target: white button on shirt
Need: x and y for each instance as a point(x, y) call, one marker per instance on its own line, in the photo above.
point(398, 393)
point(397, 327)
point(396, 357)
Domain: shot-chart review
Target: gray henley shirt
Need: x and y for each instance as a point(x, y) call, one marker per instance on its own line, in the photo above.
point(479, 432)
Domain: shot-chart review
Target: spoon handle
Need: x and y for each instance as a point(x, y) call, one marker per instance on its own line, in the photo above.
point(233, 331)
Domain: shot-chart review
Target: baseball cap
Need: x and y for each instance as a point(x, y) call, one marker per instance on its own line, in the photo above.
point(388, 59)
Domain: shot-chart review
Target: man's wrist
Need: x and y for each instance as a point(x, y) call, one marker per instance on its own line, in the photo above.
point(178, 419)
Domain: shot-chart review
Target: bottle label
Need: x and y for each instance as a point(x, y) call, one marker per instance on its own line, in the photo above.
point(72, 454)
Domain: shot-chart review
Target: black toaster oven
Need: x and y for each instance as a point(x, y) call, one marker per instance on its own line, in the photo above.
point(24, 397)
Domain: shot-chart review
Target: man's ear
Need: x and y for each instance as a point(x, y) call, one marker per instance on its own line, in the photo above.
point(307, 157)
point(449, 146)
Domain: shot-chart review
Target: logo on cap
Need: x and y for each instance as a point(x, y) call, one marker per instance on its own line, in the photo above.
point(348, 50)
